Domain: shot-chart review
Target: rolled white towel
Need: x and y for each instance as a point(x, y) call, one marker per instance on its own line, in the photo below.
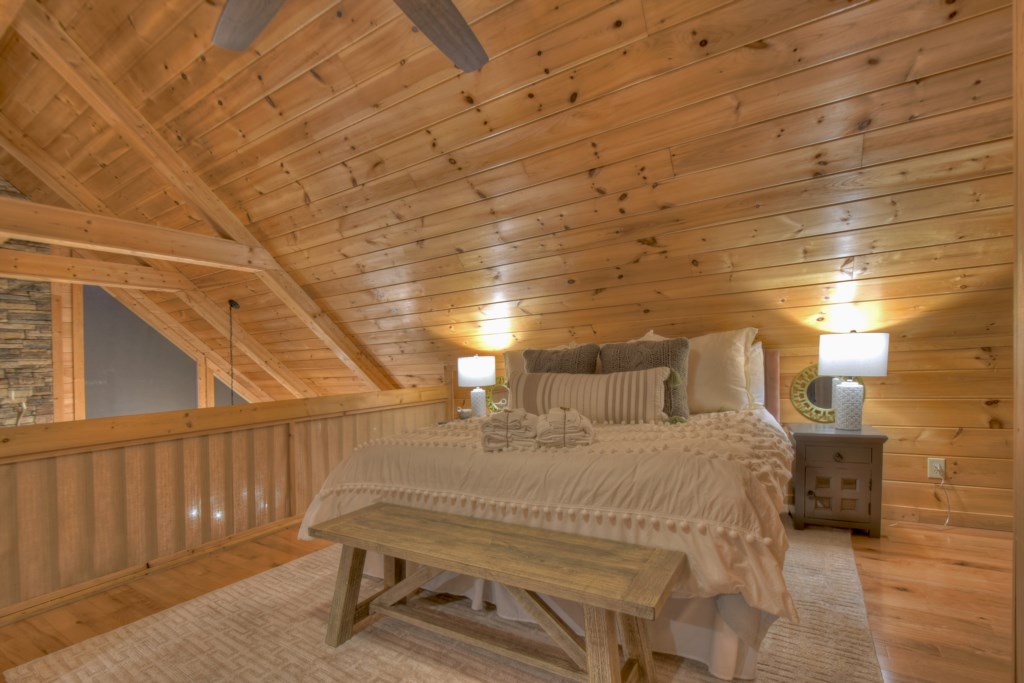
point(516, 418)
point(564, 427)
point(508, 428)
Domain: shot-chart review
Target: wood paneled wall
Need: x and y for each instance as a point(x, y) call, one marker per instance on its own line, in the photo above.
point(123, 492)
point(1018, 344)
point(68, 352)
point(802, 166)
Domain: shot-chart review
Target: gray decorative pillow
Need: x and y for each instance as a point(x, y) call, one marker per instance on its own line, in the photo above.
point(671, 353)
point(578, 360)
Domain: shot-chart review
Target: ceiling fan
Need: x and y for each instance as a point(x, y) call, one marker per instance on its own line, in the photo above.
point(439, 20)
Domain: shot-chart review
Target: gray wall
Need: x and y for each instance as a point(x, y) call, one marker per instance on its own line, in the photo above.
point(129, 367)
point(222, 395)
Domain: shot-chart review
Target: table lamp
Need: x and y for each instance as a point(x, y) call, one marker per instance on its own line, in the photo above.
point(477, 371)
point(857, 354)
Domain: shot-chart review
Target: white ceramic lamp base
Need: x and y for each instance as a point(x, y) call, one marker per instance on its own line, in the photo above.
point(848, 402)
point(478, 400)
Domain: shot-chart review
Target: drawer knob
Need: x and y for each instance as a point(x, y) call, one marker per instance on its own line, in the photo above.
point(838, 457)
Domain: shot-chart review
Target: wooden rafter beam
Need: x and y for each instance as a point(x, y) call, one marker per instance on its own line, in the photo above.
point(22, 265)
point(44, 167)
point(82, 230)
point(52, 43)
point(217, 317)
point(8, 10)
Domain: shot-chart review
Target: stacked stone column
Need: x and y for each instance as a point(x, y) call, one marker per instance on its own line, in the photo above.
point(26, 347)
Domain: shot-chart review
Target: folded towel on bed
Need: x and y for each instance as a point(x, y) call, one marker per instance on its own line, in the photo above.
point(564, 427)
point(508, 428)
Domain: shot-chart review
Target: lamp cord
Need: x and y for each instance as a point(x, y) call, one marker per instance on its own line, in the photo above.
point(232, 305)
point(942, 487)
point(231, 352)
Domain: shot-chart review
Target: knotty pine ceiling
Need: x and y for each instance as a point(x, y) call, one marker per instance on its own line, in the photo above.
point(686, 165)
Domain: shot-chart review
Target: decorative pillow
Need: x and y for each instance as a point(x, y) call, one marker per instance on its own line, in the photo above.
point(717, 377)
point(671, 353)
point(514, 363)
point(636, 396)
point(755, 373)
point(718, 371)
point(576, 360)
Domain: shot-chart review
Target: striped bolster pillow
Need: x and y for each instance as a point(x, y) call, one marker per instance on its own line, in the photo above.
point(634, 396)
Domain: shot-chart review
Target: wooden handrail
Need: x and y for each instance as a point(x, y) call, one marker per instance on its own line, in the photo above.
point(34, 442)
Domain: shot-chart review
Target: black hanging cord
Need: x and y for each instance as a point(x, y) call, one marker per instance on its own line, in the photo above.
point(232, 306)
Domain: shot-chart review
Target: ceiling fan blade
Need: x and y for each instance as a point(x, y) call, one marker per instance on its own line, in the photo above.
point(441, 22)
point(242, 20)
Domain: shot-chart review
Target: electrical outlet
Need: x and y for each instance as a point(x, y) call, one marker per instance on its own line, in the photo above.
point(936, 468)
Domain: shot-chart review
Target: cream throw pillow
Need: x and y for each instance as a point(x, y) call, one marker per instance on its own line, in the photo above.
point(515, 364)
point(620, 397)
point(755, 373)
point(718, 379)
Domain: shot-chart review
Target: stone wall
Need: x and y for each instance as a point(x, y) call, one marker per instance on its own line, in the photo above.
point(26, 338)
point(26, 347)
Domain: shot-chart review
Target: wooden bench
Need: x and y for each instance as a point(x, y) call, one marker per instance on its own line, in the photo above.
point(616, 583)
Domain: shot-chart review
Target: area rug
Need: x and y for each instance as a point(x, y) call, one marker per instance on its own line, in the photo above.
point(270, 628)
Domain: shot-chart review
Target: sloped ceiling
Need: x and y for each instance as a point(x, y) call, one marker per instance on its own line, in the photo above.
point(689, 165)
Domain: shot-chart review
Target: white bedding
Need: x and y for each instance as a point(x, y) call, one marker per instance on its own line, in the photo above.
point(711, 487)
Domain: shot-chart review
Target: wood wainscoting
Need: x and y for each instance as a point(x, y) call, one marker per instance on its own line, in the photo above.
point(80, 501)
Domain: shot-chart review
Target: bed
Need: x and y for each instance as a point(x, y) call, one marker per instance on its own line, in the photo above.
point(711, 485)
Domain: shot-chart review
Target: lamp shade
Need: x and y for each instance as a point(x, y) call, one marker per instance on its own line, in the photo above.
point(857, 354)
point(476, 371)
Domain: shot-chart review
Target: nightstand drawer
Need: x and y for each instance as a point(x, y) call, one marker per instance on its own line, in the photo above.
point(841, 454)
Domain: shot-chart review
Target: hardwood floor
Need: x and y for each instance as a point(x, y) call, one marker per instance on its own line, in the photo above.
point(938, 600)
point(36, 636)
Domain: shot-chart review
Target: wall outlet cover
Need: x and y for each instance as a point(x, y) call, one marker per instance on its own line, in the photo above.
point(936, 468)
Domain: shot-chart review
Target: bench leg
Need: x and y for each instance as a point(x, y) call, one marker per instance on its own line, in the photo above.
point(602, 646)
point(635, 645)
point(394, 570)
point(346, 595)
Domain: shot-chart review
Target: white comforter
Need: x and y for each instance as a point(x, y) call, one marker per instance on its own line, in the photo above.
point(711, 487)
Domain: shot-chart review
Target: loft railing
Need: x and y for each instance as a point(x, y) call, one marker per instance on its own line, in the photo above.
point(86, 502)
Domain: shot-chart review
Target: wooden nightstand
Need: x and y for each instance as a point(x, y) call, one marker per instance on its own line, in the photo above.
point(837, 477)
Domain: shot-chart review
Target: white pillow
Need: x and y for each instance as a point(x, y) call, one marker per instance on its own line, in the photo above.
point(515, 364)
point(650, 336)
point(718, 378)
point(755, 373)
point(718, 371)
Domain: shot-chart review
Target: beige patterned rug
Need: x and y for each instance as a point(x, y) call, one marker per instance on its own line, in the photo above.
point(270, 628)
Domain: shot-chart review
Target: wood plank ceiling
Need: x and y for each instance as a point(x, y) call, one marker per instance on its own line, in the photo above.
point(686, 165)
